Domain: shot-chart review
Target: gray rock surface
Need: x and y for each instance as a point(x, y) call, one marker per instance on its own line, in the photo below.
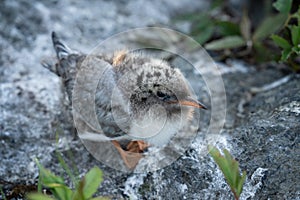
point(261, 129)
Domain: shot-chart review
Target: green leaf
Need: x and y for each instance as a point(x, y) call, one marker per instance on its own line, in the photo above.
point(245, 26)
point(241, 183)
point(281, 42)
point(38, 196)
point(296, 50)
point(48, 179)
point(63, 192)
point(295, 32)
point(283, 6)
point(67, 169)
point(204, 35)
point(285, 54)
point(78, 194)
point(269, 26)
point(60, 191)
point(201, 23)
point(227, 28)
point(230, 168)
point(233, 173)
point(226, 43)
point(91, 182)
point(100, 198)
point(55, 184)
point(263, 54)
point(203, 29)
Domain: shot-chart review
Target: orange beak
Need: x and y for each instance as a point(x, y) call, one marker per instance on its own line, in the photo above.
point(195, 104)
point(189, 102)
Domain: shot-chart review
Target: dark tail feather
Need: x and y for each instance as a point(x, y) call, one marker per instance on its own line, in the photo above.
point(49, 65)
point(62, 50)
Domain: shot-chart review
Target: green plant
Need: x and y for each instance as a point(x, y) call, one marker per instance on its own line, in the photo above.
point(234, 36)
point(208, 24)
point(84, 188)
point(230, 168)
point(289, 38)
point(249, 42)
point(2, 193)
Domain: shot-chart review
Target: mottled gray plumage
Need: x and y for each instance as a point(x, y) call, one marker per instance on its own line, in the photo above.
point(136, 95)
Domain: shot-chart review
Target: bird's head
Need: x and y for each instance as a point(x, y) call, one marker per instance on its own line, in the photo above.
point(155, 83)
point(156, 96)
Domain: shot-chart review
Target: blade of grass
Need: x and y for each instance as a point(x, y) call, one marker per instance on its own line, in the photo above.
point(100, 198)
point(63, 164)
point(74, 166)
point(245, 26)
point(54, 183)
point(67, 169)
point(226, 43)
point(38, 196)
point(269, 26)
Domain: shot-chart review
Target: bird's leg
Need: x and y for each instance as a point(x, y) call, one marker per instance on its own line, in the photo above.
point(137, 146)
point(130, 158)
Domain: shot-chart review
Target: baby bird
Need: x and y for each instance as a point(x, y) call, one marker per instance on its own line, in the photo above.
point(139, 101)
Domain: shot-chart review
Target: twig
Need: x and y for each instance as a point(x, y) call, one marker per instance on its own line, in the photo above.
point(270, 86)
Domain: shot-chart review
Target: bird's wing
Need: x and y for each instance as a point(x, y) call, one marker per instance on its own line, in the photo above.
point(89, 80)
point(67, 65)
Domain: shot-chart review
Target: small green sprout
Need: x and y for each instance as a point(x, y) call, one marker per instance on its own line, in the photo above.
point(289, 40)
point(230, 168)
point(84, 189)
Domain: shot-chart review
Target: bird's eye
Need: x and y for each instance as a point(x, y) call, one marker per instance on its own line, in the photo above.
point(162, 95)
